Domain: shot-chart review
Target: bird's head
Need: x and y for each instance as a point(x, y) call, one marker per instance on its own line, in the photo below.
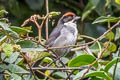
point(69, 16)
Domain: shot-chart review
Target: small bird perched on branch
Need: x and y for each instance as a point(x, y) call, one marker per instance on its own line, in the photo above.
point(64, 34)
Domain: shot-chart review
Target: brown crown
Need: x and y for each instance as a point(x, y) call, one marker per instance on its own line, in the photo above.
point(69, 13)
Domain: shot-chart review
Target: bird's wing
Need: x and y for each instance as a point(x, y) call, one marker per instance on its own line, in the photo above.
point(60, 41)
point(54, 35)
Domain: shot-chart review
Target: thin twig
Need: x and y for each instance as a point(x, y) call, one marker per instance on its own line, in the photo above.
point(47, 10)
point(29, 66)
point(51, 78)
point(68, 77)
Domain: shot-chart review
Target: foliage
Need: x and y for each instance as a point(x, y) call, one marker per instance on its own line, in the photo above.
point(21, 54)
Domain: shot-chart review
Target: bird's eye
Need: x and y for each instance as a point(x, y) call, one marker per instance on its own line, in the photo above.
point(67, 18)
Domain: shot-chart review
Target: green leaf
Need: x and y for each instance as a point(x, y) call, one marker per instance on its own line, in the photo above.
point(106, 19)
point(27, 44)
point(117, 71)
point(88, 9)
point(20, 30)
point(36, 55)
point(110, 36)
point(47, 60)
point(5, 27)
point(110, 64)
point(3, 56)
point(2, 12)
point(28, 77)
point(95, 78)
point(80, 52)
point(19, 61)
point(2, 39)
point(117, 35)
point(60, 74)
point(111, 48)
point(101, 6)
point(15, 77)
point(117, 1)
point(54, 13)
point(82, 60)
point(13, 58)
point(101, 74)
point(95, 48)
point(16, 69)
point(3, 66)
point(79, 74)
point(8, 49)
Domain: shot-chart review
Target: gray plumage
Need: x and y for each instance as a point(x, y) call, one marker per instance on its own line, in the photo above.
point(63, 35)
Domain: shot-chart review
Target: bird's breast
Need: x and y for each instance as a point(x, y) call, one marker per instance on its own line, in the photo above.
point(72, 29)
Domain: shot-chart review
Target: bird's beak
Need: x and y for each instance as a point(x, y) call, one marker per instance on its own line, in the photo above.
point(77, 18)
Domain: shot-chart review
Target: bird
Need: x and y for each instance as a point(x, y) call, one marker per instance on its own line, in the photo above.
point(64, 34)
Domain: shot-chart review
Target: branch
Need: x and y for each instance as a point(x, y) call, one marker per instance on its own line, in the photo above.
point(51, 68)
point(51, 78)
point(47, 10)
point(29, 66)
point(94, 62)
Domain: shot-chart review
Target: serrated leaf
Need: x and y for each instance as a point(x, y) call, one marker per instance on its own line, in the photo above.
point(2, 39)
point(36, 55)
point(27, 44)
point(3, 56)
point(8, 49)
point(101, 74)
point(6, 27)
point(106, 19)
point(16, 69)
point(13, 57)
point(16, 77)
point(19, 61)
point(3, 66)
point(82, 60)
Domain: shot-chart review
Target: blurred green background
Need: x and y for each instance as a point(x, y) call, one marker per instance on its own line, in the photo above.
point(89, 10)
